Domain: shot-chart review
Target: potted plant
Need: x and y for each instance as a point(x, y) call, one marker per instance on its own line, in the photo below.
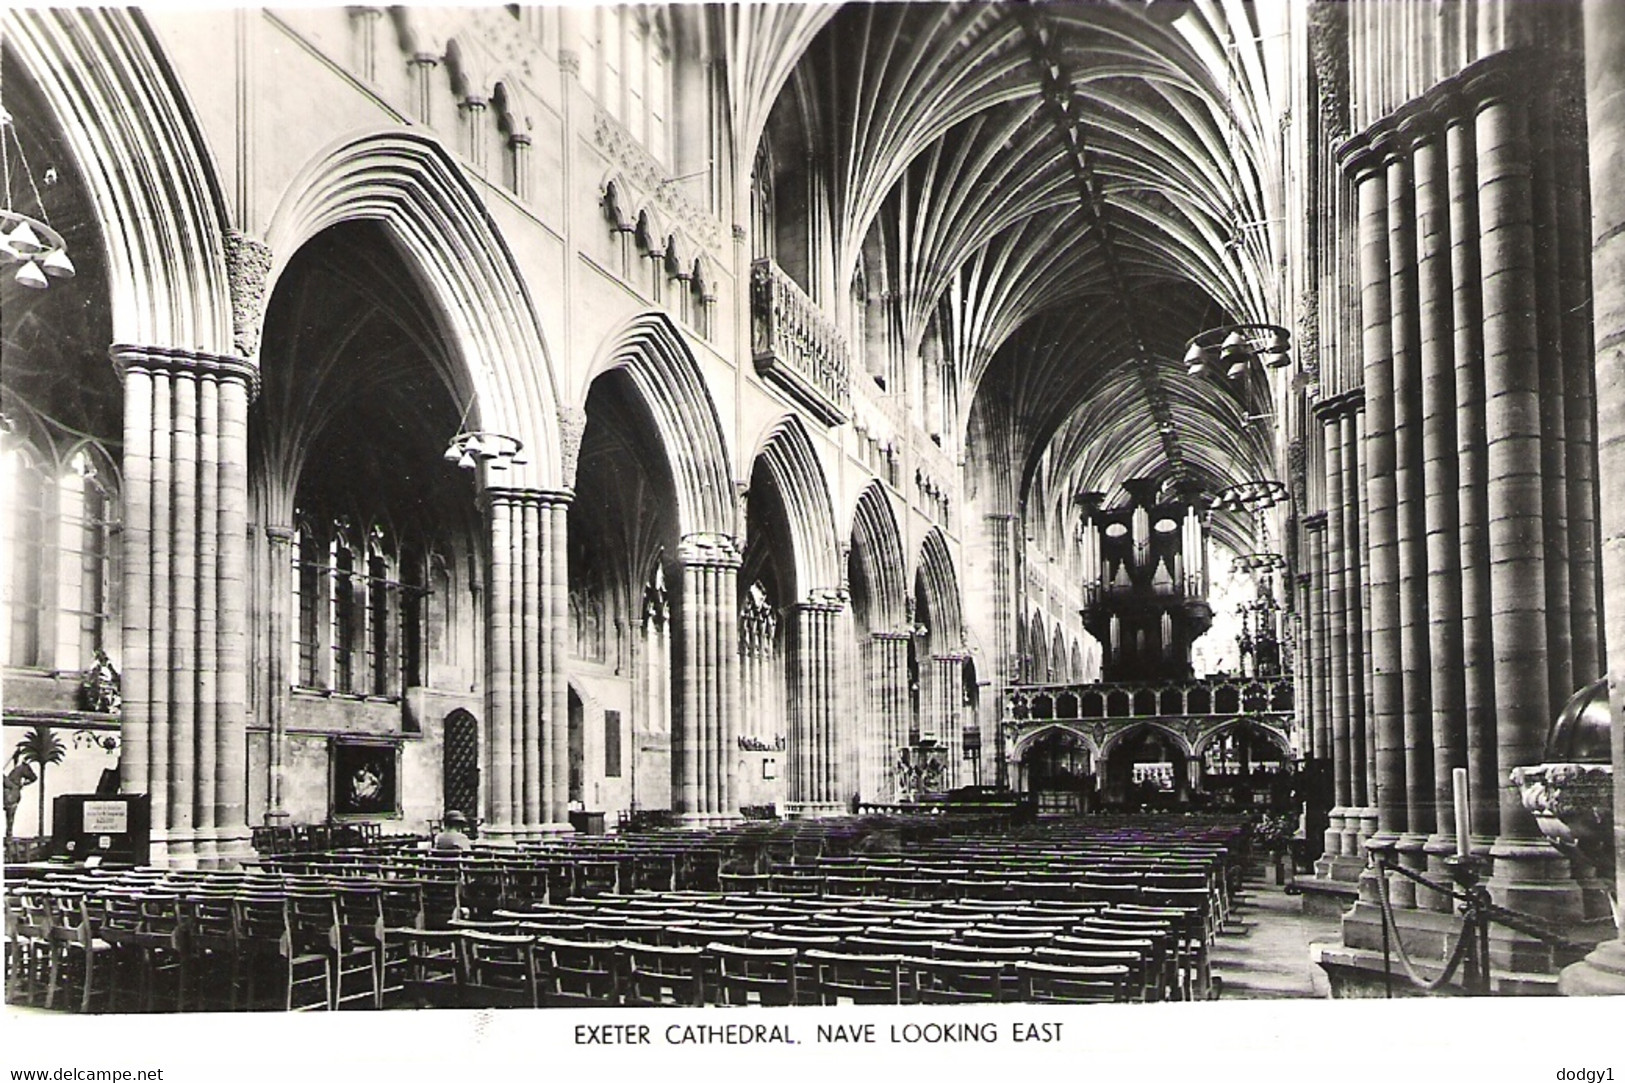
point(1273, 835)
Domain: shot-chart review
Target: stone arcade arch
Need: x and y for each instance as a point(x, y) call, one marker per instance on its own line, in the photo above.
point(938, 644)
point(790, 515)
point(156, 201)
point(875, 571)
point(493, 371)
point(651, 369)
point(362, 520)
point(408, 181)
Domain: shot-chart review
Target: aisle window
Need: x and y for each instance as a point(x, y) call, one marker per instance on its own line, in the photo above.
point(360, 628)
point(60, 559)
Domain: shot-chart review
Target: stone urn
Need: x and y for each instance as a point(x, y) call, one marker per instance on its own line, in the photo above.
point(1571, 795)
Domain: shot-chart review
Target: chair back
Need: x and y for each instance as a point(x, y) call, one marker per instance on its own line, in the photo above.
point(764, 976)
point(843, 978)
point(654, 976)
point(1049, 983)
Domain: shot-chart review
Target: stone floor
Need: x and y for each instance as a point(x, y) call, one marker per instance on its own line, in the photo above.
point(1263, 953)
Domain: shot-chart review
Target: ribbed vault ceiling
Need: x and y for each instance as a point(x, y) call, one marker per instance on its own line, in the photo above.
point(1065, 193)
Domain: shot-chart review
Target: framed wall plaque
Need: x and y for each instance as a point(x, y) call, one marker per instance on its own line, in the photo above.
point(365, 777)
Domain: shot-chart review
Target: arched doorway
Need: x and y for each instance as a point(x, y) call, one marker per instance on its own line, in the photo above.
point(460, 764)
point(1146, 770)
point(1059, 771)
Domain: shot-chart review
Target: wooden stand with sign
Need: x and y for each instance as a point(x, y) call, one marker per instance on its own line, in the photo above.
point(116, 829)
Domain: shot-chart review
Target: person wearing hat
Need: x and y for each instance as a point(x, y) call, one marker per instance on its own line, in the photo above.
point(453, 833)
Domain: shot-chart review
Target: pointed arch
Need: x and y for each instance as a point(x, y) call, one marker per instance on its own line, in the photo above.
point(150, 178)
point(1115, 740)
point(936, 569)
point(878, 546)
point(662, 368)
point(407, 180)
point(1038, 647)
point(786, 452)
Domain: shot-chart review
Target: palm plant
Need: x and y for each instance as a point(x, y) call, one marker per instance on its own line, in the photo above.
point(41, 746)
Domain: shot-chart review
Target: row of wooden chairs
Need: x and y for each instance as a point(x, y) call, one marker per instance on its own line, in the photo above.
point(477, 968)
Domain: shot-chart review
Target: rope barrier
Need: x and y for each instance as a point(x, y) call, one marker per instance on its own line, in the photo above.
point(1463, 940)
point(1478, 913)
point(1528, 924)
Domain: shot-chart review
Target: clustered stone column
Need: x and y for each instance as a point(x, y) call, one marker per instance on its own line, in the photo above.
point(1340, 707)
point(707, 717)
point(527, 624)
point(1471, 457)
point(947, 699)
point(1603, 971)
point(815, 774)
point(890, 654)
point(185, 553)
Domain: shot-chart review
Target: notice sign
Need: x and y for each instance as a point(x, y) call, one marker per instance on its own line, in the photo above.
point(106, 818)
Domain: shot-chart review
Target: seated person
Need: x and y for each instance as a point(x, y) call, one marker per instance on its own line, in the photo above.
point(453, 834)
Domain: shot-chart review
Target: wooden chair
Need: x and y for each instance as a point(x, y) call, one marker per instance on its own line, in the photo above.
point(575, 972)
point(1073, 955)
point(161, 950)
point(697, 934)
point(984, 936)
point(952, 981)
point(744, 975)
point(498, 971)
point(1146, 970)
point(842, 978)
point(744, 882)
point(213, 958)
point(1048, 983)
point(28, 944)
point(75, 949)
point(356, 941)
point(266, 939)
point(1170, 957)
point(653, 976)
point(877, 943)
point(432, 966)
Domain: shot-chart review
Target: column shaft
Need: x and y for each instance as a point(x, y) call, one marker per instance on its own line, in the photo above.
point(1551, 379)
point(1518, 581)
point(208, 616)
point(1384, 609)
point(1338, 545)
point(499, 667)
point(1448, 722)
point(1472, 467)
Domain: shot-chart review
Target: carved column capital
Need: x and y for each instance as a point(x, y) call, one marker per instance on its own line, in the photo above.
point(572, 426)
point(248, 266)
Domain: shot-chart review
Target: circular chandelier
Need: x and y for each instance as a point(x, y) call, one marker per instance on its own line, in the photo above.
point(1235, 346)
point(1252, 495)
point(1259, 563)
point(30, 243)
point(495, 450)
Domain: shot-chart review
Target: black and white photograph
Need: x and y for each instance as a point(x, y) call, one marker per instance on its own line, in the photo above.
point(1079, 536)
